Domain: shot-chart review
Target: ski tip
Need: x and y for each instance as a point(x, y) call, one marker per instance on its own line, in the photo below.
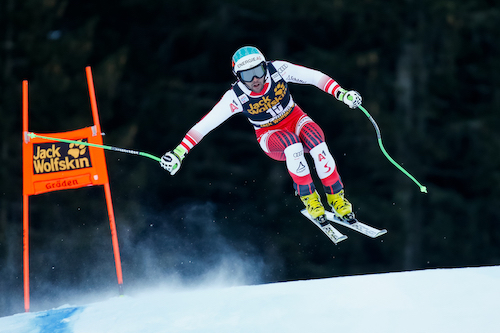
point(340, 239)
point(382, 232)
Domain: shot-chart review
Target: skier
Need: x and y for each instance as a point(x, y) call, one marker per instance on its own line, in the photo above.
point(283, 130)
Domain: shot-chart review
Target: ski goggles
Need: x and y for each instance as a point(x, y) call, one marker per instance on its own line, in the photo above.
point(258, 71)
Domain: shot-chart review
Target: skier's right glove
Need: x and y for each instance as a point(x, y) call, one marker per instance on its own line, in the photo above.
point(172, 160)
point(351, 98)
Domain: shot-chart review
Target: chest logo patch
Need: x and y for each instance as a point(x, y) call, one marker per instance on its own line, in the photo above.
point(268, 102)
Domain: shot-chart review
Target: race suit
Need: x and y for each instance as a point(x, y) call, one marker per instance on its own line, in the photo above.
point(283, 130)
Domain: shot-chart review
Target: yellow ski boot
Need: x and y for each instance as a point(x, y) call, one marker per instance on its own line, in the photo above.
point(314, 206)
point(340, 206)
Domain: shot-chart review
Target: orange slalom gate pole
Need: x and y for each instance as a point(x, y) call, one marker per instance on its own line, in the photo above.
point(93, 100)
point(26, 255)
point(114, 237)
point(107, 190)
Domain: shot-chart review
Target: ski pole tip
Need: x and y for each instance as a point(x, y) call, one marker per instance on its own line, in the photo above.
point(423, 189)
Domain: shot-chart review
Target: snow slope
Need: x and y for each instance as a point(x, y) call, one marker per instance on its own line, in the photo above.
point(439, 300)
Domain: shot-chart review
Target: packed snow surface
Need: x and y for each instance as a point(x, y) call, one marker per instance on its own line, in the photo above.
point(437, 300)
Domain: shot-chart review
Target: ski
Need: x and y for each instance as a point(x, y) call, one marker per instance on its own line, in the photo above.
point(358, 226)
point(332, 233)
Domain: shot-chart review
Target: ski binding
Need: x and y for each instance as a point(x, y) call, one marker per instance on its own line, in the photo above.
point(335, 235)
point(356, 225)
point(325, 226)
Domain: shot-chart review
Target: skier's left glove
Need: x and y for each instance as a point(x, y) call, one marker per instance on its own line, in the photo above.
point(172, 160)
point(351, 98)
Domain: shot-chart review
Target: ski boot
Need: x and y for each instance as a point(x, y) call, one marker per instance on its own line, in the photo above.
point(341, 207)
point(314, 206)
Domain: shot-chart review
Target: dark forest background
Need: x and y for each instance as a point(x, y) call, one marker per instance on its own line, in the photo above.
point(428, 71)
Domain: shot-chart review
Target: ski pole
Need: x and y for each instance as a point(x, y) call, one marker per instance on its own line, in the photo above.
point(379, 138)
point(121, 150)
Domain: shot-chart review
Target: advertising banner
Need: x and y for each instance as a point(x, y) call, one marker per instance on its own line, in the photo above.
point(54, 165)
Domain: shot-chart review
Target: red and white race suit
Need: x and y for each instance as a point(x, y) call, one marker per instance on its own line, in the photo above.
point(283, 130)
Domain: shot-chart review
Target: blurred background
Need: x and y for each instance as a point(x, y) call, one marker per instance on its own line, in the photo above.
point(427, 71)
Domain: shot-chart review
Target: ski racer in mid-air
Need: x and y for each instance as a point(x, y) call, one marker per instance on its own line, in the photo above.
point(283, 130)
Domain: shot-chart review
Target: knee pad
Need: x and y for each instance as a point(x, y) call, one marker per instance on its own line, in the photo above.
point(296, 161)
point(323, 160)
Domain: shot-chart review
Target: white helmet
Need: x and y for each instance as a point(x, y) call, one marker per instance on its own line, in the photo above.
point(247, 57)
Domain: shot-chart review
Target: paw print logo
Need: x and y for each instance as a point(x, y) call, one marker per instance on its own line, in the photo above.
point(279, 90)
point(76, 150)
